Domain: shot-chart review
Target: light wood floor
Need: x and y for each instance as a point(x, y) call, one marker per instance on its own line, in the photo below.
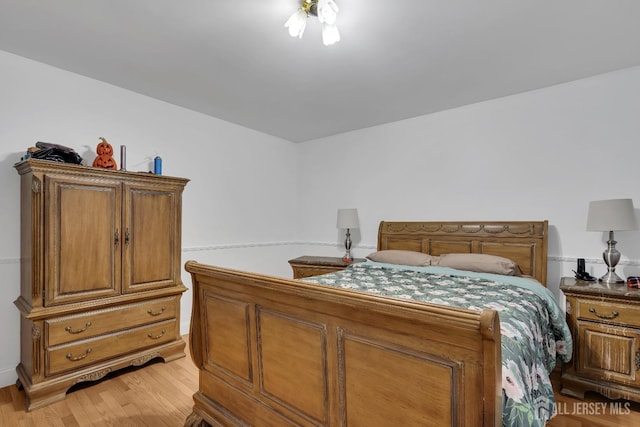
point(604, 412)
point(160, 395)
point(156, 395)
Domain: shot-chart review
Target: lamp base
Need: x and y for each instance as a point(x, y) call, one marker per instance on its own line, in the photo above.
point(611, 277)
point(611, 257)
point(347, 246)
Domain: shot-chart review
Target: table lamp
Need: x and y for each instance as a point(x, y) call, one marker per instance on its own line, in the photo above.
point(611, 215)
point(347, 218)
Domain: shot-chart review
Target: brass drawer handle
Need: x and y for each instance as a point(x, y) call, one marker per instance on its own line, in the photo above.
point(77, 331)
point(155, 337)
point(82, 356)
point(157, 313)
point(613, 314)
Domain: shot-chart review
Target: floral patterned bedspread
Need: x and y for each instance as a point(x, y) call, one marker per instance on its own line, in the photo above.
point(534, 330)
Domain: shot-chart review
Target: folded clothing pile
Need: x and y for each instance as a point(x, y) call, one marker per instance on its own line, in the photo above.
point(55, 153)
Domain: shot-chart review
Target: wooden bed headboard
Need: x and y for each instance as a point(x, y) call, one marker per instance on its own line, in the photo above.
point(524, 242)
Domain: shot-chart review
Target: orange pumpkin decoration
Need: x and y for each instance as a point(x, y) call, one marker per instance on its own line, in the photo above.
point(104, 148)
point(105, 156)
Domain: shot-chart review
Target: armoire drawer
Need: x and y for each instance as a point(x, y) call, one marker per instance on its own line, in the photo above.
point(91, 324)
point(609, 312)
point(72, 356)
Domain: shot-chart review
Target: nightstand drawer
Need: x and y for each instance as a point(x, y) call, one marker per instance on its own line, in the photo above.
point(300, 272)
point(609, 312)
point(66, 329)
point(307, 266)
point(72, 356)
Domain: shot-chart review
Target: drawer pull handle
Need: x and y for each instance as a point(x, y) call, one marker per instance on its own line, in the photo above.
point(157, 313)
point(637, 360)
point(155, 337)
point(613, 314)
point(77, 331)
point(76, 358)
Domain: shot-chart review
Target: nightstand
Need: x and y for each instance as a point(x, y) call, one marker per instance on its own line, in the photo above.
point(605, 325)
point(307, 266)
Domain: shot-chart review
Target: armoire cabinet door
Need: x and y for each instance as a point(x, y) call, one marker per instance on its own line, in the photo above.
point(152, 237)
point(82, 248)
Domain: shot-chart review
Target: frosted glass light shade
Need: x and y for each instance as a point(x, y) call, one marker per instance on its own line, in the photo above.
point(327, 11)
point(330, 34)
point(297, 23)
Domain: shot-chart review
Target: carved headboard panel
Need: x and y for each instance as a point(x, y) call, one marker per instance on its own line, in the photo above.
point(524, 242)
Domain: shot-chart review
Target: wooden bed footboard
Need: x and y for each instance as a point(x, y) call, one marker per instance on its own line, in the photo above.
point(279, 352)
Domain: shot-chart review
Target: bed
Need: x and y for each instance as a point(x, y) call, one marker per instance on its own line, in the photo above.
point(278, 352)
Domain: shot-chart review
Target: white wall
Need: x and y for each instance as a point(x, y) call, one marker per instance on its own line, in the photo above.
point(255, 201)
point(240, 200)
point(538, 155)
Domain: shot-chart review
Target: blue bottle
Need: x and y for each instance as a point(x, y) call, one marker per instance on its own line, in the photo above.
point(157, 165)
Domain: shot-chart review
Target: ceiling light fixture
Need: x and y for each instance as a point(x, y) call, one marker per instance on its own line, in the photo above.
point(325, 10)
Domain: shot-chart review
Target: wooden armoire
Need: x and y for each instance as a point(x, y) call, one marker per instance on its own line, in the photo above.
point(100, 274)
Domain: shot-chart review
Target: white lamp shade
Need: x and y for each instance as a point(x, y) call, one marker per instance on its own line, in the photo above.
point(348, 218)
point(611, 215)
